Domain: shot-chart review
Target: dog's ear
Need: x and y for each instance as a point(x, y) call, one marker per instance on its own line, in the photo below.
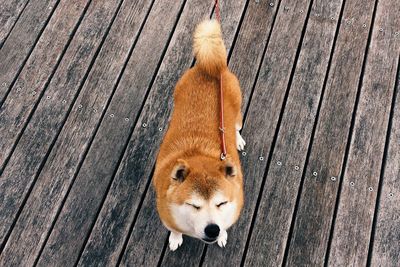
point(180, 170)
point(229, 169)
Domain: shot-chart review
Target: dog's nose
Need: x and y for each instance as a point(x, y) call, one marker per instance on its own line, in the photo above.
point(212, 230)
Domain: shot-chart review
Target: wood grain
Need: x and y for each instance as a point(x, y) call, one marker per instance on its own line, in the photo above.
point(20, 102)
point(49, 117)
point(68, 238)
point(10, 10)
point(36, 74)
point(353, 224)
point(272, 224)
point(20, 42)
point(310, 236)
point(386, 246)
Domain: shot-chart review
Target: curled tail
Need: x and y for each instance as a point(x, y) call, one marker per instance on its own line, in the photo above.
point(209, 48)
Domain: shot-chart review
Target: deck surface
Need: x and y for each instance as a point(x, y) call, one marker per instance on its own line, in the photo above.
point(86, 93)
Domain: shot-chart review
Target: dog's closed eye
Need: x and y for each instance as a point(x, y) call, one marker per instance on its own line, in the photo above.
point(222, 203)
point(194, 206)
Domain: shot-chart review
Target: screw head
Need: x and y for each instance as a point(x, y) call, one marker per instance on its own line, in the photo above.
point(381, 30)
point(126, 119)
point(301, 11)
point(112, 115)
point(64, 101)
point(333, 178)
point(286, 8)
point(332, 18)
point(370, 189)
point(261, 158)
point(279, 163)
point(144, 125)
point(160, 129)
point(296, 168)
point(18, 89)
point(390, 194)
point(314, 173)
point(271, 4)
point(351, 183)
point(79, 106)
point(244, 153)
point(48, 97)
point(364, 25)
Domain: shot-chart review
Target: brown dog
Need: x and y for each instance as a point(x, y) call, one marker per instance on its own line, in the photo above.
point(198, 194)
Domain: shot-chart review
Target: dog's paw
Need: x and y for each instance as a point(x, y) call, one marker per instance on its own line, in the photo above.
point(175, 241)
point(222, 239)
point(240, 143)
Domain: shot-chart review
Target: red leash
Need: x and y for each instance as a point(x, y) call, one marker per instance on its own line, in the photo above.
point(221, 98)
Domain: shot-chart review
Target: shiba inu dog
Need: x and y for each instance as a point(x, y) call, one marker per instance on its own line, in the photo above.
point(198, 194)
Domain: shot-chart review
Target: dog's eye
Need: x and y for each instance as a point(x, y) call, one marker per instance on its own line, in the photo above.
point(194, 206)
point(222, 203)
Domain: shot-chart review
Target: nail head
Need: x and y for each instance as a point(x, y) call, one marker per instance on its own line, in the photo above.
point(261, 158)
point(351, 183)
point(314, 173)
point(244, 153)
point(144, 125)
point(279, 163)
point(333, 178)
point(296, 168)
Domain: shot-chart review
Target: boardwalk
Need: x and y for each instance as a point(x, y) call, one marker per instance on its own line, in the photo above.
point(86, 93)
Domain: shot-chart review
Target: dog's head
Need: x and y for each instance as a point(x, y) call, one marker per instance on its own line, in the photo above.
point(204, 196)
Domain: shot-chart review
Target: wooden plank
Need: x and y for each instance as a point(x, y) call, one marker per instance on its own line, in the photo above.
point(44, 127)
point(68, 236)
point(20, 42)
point(37, 72)
point(310, 236)
point(386, 246)
point(9, 14)
point(272, 222)
point(15, 111)
point(352, 228)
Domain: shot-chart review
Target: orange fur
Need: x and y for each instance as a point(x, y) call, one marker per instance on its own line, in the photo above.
point(193, 138)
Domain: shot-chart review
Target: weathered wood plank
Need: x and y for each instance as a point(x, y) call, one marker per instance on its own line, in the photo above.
point(15, 111)
point(37, 72)
point(50, 115)
point(86, 193)
point(386, 245)
point(310, 236)
point(9, 14)
point(20, 42)
point(352, 228)
point(272, 224)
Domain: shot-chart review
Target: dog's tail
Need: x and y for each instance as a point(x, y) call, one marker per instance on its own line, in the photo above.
point(209, 48)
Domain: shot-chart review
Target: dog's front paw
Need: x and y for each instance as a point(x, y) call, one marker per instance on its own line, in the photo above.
point(175, 241)
point(240, 143)
point(222, 239)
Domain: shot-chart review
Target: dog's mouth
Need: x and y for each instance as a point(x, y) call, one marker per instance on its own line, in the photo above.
point(209, 240)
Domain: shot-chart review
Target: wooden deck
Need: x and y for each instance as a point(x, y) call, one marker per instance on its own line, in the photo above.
point(86, 93)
